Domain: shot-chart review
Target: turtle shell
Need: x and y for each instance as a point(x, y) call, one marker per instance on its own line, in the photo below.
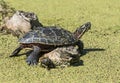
point(50, 35)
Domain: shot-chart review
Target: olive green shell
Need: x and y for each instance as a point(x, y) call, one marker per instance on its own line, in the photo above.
point(49, 36)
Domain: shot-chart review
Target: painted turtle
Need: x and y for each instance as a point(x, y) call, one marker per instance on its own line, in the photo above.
point(46, 39)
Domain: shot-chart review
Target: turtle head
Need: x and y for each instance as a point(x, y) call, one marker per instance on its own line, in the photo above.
point(28, 16)
point(47, 63)
point(82, 29)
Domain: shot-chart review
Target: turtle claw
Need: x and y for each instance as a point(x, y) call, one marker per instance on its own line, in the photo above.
point(28, 62)
point(31, 61)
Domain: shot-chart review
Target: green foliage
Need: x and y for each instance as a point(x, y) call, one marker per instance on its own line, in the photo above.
point(102, 42)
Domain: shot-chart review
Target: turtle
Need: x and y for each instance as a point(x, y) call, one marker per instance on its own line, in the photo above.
point(61, 56)
point(47, 38)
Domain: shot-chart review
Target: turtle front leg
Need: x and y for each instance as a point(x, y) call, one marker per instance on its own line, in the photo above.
point(16, 51)
point(33, 58)
point(80, 46)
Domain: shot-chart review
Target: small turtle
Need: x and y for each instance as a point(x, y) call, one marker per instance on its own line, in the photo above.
point(47, 39)
point(61, 56)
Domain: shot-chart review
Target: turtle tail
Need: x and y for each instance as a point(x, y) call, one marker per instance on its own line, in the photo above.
point(82, 29)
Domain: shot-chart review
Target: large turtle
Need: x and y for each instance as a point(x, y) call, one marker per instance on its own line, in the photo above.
point(46, 39)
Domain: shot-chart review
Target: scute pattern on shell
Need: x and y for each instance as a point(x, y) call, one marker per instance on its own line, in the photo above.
point(49, 35)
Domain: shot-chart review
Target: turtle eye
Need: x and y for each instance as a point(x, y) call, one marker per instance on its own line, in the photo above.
point(25, 15)
point(30, 14)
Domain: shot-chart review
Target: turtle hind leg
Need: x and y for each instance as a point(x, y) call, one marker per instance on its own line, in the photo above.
point(33, 58)
point(80, 47)
point(16, 51)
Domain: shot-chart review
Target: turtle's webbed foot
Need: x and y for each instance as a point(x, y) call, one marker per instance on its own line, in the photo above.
point(32, 60)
